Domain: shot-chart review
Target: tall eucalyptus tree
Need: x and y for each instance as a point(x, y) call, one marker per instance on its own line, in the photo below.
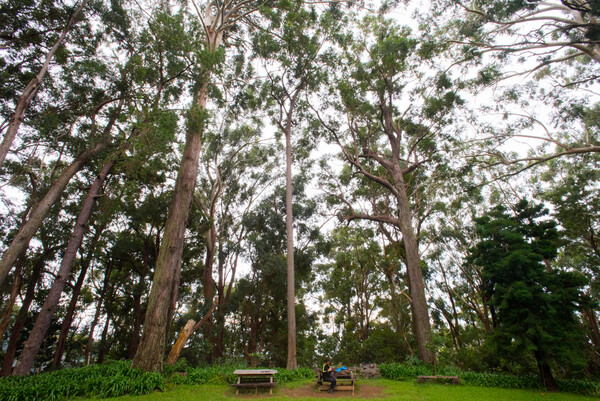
point(216, 21)
point(392, 136)
point(293, 40)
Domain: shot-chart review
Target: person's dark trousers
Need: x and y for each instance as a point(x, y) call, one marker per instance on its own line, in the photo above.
point(330, 379)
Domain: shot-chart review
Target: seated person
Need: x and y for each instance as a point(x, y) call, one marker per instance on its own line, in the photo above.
point(328, 375)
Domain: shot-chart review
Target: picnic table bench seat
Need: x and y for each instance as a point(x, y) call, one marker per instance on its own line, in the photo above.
point(446, 379)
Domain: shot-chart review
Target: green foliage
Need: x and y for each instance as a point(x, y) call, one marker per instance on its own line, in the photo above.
point(410, 371)
point(223, 374)
point(288, 376)
point(108, 380)
point(535, 305)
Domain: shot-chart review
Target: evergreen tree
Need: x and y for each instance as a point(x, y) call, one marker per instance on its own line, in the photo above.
point(534, 304)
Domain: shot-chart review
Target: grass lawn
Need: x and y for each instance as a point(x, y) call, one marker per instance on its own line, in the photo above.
point(367, 389)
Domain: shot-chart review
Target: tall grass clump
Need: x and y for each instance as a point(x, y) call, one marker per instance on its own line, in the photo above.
point(111, 379)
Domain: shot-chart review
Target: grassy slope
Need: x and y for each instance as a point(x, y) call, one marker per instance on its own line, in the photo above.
point(401, 391)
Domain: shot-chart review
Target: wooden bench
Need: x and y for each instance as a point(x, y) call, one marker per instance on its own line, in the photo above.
point(254, 378)
point(445, 379)
point(345, 381)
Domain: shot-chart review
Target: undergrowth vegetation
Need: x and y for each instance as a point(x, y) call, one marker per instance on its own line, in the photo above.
point(114, 379)
point(107, 380)
point(405, 372)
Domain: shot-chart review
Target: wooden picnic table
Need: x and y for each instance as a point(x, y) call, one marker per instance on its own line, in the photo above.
point(254, 378)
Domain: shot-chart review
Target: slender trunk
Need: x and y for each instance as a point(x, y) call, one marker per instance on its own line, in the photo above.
point(31, 89)
point(44, 318)
point(21, 241)
point(103, 292)
point(593, 321)
point(289, 226)
point(190, 327)
point(102, 348)
point(11, 350)
point(219, 315)
point(68, 320)
point(14, 292)
point(138, 317)
point(66, 325)
point(207, 278)
point(289, 223)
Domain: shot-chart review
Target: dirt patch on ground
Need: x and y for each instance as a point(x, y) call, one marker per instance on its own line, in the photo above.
point(362, 391)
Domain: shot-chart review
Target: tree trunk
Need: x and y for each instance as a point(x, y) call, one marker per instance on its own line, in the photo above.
point(422, 326)
point(103, 292)
point(208, 281)
point(150, 353)
point(21, 241)
point(289, 224)
point(591, 317)
point(11, 350)
point(31, 89)
point(138, 317)
point(44, 318)
point(66, 325)
point(190, 327)
point(102, 348)
point(14, 292)
point(546, 376)
point(68, 320)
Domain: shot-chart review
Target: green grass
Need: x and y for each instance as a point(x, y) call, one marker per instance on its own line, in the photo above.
point(392, 390)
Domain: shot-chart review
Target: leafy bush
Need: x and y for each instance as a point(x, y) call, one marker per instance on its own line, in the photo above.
point(286, 376)
point(410, 371)
point(404, 372)
point(503, 380)
point(107, 380)
point(224, 375)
